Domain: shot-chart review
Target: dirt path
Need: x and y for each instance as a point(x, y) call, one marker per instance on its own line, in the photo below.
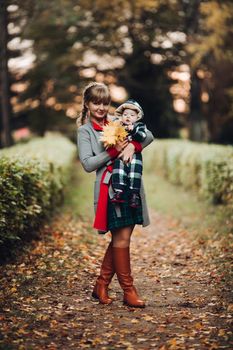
point(46, 302)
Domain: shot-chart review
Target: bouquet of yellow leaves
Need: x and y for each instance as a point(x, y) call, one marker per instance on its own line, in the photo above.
point(112, 133)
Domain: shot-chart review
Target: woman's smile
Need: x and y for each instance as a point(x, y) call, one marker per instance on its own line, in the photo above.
point(101, 113)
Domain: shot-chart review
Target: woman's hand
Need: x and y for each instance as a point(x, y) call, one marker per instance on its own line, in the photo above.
point(121, 145)
point(127, 153)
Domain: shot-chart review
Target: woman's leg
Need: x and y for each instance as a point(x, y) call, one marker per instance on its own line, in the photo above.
point(121, 258)
point(121, 236)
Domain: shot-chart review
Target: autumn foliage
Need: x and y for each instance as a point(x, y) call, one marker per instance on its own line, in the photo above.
point(112, 133)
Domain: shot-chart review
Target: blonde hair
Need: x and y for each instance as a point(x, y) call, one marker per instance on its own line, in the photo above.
point(96, 93)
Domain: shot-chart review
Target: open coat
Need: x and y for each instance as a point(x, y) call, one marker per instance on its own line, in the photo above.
point(94, 157)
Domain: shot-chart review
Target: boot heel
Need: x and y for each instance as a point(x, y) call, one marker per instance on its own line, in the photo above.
point(142, 306)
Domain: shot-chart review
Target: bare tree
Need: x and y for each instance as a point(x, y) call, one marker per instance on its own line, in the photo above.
point(5, 96)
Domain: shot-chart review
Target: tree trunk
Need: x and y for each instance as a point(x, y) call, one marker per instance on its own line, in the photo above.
point(5, 96)
point(196, 123)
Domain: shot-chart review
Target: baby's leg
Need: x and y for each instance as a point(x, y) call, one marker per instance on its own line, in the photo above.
point(135, 175)
point(135, 172)
point(119, 178)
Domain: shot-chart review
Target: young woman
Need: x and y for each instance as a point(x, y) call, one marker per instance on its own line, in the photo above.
point(120, 219)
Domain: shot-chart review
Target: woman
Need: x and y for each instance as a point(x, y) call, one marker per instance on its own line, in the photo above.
point(119, 219)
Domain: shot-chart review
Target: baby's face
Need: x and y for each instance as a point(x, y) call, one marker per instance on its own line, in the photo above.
point(129, 116)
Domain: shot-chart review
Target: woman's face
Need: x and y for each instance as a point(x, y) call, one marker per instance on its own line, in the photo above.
point(97, 110)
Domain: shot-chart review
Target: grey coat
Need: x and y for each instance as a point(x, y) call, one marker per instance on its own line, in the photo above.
point(93, 157)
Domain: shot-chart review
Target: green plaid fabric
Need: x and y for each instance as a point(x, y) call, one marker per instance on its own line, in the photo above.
point(128, 216)
point(127, 174)
point(138, 133)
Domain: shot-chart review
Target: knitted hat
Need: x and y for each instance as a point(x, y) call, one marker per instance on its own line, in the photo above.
point(131, 104)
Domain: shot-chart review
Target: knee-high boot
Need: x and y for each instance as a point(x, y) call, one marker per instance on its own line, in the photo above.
point(107, 272)
point(121, 258)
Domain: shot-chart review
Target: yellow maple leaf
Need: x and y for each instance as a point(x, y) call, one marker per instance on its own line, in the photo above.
point(121, 132)
point(112, 133)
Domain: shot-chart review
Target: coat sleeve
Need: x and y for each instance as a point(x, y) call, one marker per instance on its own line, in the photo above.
point(140, 145)
point(89, 161)
point(139, 133)
point(149, 138)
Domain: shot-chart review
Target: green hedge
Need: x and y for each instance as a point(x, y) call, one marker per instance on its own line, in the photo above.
point(206, 169)
point(32, 178)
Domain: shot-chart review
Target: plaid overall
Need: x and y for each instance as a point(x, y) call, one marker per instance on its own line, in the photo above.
point(130, 174)
point(127, 174)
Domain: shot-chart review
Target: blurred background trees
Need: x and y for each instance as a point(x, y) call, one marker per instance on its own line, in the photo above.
point(173, 56)
point(209, 48)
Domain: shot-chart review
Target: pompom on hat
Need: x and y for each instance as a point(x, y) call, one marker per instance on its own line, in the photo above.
point(131, 104)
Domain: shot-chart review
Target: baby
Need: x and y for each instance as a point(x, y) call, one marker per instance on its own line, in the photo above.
point(123, 175)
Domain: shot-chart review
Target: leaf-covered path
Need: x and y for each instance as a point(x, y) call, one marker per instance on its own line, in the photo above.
point(46, 295)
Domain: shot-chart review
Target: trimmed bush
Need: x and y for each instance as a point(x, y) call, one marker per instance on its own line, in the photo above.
point(32, 179)
point(206, 169)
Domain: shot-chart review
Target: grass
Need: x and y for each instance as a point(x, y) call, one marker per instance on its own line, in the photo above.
point(79, 194)
point(196, 215)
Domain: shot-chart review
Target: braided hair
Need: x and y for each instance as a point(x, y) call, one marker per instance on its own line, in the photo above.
point(96, 93)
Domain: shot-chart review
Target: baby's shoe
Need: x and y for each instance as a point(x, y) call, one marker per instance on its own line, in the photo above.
point(134, 200)
point(118, 197)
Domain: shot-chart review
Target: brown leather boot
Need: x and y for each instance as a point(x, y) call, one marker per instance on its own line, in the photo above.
point(121, 258)
point(107, 272)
